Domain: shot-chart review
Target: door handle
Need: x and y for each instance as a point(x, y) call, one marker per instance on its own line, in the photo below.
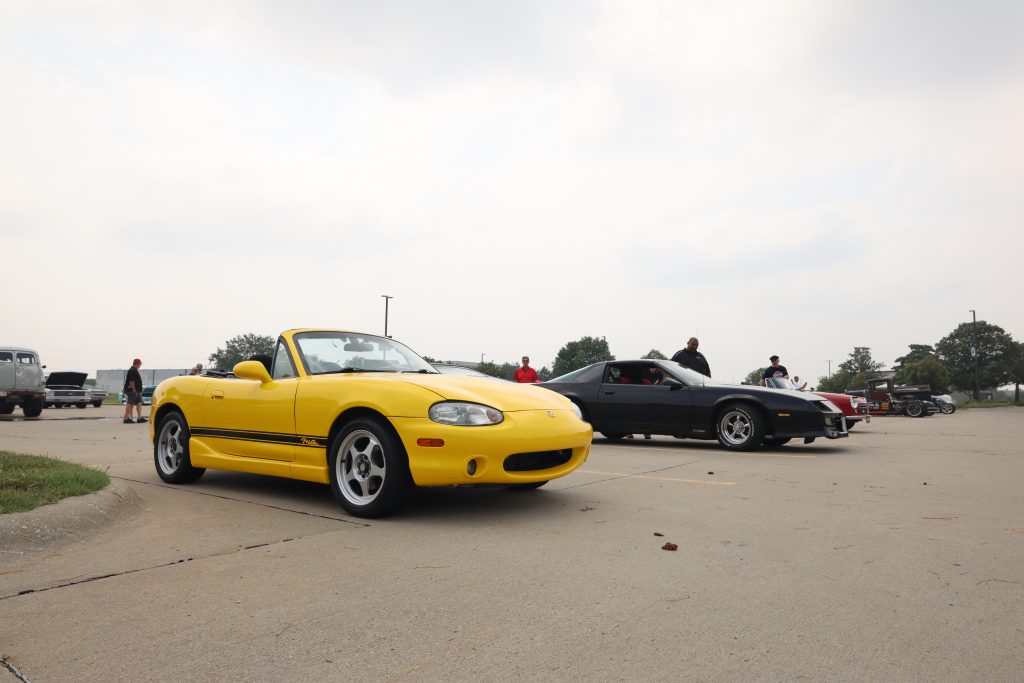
point(609, 393)
point(217, 395)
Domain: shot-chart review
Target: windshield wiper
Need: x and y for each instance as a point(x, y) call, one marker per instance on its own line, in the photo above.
point(422, 372)
point(347, 369)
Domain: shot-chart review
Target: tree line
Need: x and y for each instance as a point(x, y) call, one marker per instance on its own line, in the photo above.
point(971, 357)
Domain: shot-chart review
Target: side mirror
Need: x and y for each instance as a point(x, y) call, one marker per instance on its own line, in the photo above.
point(252, 369)
point(673, 382)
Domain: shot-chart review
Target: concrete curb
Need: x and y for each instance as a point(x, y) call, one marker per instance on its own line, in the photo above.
point(67, 521)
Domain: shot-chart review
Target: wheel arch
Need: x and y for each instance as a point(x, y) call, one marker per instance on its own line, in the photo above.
point(747, 401)
point(352, 414)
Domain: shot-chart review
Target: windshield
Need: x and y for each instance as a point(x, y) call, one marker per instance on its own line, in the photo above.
point(330, 352)
point(779, 383)
point(685, 375)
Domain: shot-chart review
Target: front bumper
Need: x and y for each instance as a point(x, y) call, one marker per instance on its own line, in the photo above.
point(528, 446)
point(828, 425)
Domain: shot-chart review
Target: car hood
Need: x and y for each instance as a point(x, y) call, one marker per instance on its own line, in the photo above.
point(66, 379)
point(835, 398)
point(505, 396)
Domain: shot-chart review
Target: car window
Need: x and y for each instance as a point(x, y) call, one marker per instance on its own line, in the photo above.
point(26, 359)
point(6, 357)
point(283, 367)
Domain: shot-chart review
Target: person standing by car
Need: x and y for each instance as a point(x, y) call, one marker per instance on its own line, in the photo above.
point(690, 357)
point(133, 392)
point(526, 374)
point(774, 370)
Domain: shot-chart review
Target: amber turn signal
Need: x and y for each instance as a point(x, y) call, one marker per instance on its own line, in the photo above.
point(430, 443)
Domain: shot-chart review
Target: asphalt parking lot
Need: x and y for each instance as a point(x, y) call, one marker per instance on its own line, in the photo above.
point(895, 554)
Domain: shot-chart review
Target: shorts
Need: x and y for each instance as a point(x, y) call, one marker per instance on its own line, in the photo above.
point(133, 398)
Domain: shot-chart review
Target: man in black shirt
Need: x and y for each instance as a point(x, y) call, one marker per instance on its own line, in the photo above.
point(774, 370)
point(133, 393)
point(690, 357)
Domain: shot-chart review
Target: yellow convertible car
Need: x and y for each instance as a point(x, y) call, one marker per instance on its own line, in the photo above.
point(366, 415)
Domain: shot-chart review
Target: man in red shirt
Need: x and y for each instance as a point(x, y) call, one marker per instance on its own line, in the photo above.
point(526, 374)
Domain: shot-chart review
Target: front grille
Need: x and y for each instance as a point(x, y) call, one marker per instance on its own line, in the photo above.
point(538, 460)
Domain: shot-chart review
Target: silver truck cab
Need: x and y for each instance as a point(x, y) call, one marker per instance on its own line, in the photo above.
point(21, 381)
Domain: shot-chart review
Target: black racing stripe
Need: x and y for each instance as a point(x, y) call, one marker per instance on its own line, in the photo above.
point(262, 437)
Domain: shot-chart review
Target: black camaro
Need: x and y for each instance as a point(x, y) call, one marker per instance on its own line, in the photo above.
point(662, 397)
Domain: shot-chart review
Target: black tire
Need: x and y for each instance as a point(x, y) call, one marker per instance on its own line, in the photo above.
point(97, 404)
point(914, 409)
point(947, 408)
point(170, 451)
point(369, 468)
point(527, 487)
point(6, 408)
point(613, 436)
point(774, 443)
point(32, 407)
point(80, 405)
point(739, 427)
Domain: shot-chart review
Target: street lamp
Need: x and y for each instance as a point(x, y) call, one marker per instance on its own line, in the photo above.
point(387, 300)
point(974, 352)
point(829, 369)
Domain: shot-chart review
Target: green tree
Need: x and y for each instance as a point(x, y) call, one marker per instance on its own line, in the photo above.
point(995, 351)
point(754, 377)
point(929, 370)
point(580, 353)
point(656, 354)
point(489, 368)
point(917, 352)
point(1017, 371)
point(239, 348)
point(852, 373)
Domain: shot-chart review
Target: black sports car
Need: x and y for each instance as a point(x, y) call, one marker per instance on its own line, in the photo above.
point(662, 397)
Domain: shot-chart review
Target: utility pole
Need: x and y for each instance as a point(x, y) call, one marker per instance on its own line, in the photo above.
point(387, 300)
point(829, 369)
point(481, 359)
point(975, 352)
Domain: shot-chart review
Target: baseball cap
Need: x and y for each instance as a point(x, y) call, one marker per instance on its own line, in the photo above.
point(773, 357)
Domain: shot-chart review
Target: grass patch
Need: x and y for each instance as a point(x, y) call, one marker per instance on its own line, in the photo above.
point(28, 481)
point(1002, 403)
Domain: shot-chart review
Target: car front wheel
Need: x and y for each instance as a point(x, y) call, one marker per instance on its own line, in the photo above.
point(369, 469)
point(170, 451)
point(740, 428)
point(947, 408)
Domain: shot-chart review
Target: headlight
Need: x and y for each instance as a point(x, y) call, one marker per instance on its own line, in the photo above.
point(855, 401)
point(464, 414)
point(576, 409)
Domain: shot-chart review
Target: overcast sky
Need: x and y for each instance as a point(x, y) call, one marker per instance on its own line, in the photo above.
point(793, 177)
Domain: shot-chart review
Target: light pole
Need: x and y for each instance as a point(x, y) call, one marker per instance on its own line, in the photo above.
point(481, 359)
point(974, 351)
point(829, 369)
point(387, 300)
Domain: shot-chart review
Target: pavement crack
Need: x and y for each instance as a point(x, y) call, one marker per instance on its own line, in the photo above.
point(113, 575)
point(240, 500)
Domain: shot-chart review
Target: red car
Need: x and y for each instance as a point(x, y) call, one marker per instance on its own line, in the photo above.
point(855, 408)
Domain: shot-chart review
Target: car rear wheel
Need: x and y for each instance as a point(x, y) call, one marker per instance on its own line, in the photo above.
point(170, 451)
point(32, 407)
point(6, 408)
point(97, 404)
point(914, 409)
point(740, 428)
point(80, 405)
point(369, 469)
